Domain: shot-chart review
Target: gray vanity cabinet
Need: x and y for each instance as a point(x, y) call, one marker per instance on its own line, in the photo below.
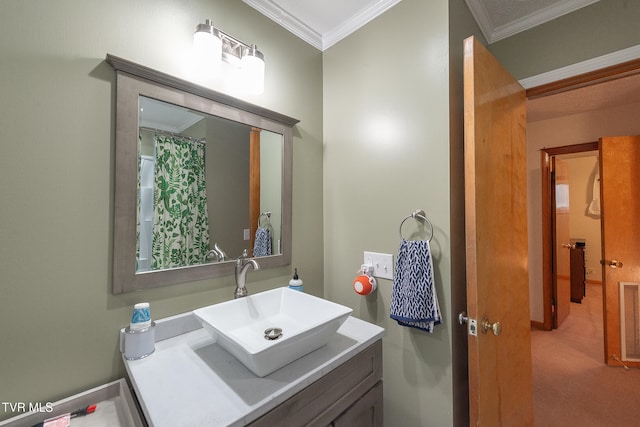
point(350, 395)
point(366, 412)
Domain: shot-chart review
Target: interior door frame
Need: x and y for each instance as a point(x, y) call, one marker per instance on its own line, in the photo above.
point(613, 72)
point(548, 237)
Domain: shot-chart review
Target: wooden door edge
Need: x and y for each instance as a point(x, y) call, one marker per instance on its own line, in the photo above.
point(547, 242)
point(470, 223)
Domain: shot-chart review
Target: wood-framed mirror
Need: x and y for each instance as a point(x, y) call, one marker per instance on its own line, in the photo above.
point(200, 176)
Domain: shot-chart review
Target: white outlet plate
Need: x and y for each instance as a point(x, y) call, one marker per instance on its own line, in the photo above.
point(247, 234)
point(382, 264)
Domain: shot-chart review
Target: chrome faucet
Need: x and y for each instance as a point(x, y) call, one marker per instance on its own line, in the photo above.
point(221, 255)
point(242, 266)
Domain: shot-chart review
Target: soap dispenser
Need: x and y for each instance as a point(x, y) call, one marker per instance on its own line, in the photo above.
point(295, 283)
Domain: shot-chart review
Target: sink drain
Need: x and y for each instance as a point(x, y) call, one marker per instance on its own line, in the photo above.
point(272, 334)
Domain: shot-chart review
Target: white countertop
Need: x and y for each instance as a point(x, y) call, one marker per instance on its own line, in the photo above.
point(191, 381)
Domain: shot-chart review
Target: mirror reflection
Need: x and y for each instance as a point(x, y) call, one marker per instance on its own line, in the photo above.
point(208, 188)
point(198, 175)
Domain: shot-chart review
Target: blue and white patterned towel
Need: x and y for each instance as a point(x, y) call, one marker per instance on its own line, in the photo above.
point(262, 243)
point(414, 302)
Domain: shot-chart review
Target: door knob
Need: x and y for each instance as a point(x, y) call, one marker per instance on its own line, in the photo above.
point(487, 326)
point(569, 246)
point(612, 263)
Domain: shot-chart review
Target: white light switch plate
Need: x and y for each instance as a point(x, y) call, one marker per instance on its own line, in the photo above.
point(382, 264)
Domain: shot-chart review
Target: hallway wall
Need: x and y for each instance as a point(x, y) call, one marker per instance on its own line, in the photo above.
point(569, 130)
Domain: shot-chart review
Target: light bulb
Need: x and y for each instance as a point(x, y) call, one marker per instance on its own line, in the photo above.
point(253, 71)
point(207, 47)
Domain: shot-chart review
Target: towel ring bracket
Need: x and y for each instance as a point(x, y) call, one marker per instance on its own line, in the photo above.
point(418, 215)
point(267, 215)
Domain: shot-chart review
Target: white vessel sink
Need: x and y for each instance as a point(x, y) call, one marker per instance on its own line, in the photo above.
point(239, 326)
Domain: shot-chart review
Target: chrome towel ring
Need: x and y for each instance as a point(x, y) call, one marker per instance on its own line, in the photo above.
point(419, 215)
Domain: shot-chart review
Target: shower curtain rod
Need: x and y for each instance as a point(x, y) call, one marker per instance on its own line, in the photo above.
point(166, 132)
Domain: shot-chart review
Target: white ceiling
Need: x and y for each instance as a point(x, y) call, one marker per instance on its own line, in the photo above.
point(160, 115)
point(323, 23)
point(602, 96)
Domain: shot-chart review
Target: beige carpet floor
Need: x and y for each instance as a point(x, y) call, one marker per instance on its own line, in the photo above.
point(571, 384)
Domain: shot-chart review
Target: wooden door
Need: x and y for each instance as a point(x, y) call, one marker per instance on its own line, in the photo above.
point(500, 388)
point(620, 222)
point(254, 186)
point(561, 254)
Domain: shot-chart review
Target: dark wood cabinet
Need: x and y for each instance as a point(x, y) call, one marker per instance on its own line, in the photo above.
point(578, 273)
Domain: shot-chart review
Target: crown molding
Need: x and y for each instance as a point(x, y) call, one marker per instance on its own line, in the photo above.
point(356, 21)
point(274, 12)
point(540, 17)
point(549, 13)
point(608, 60)
point(306, 33)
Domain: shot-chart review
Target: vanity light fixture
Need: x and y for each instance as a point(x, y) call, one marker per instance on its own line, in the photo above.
point(213, 46)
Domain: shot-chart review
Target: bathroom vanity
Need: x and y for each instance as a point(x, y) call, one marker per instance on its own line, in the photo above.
point(189, 380)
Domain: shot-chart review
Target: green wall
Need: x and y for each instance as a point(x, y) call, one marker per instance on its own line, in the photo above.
point(387, 153)
point(380, 136)
point(59, 320)
point(598, 29)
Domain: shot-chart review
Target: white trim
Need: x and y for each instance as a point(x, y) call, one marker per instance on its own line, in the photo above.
point(587, 66)
point(356, 21)
point(623, 341)
point(537, 18)
point(286, 20)
point(549, 13)
point(320, 41)
point(481, 16)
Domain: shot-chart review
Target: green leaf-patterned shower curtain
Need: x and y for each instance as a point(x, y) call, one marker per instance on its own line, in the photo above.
point(181, 222)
